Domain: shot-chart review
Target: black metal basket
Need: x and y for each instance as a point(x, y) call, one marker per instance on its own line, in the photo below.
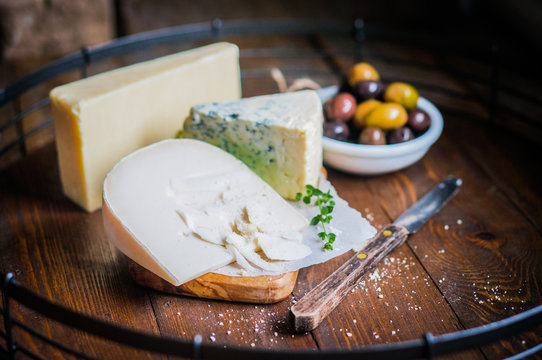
point(354, 36)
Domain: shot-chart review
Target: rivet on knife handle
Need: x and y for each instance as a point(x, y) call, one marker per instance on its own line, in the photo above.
point(321, 300)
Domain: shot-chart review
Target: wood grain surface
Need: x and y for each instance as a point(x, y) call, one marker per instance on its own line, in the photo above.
point(323, 298)
point(256, 289)
point(475, 262)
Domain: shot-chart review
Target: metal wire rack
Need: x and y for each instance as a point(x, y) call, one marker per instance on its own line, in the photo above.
point(356, 35)
point(491, 90)
point(428, 346)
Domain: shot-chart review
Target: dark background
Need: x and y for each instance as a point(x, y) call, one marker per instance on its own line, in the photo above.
point(501, 34)
point(36, 31)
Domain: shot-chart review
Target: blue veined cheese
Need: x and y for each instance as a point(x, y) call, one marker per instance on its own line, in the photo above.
point(278, 136)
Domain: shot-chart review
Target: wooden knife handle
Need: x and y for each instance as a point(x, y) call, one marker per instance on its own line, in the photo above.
point(320, 301)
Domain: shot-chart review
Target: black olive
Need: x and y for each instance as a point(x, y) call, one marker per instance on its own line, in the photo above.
point(337, 130)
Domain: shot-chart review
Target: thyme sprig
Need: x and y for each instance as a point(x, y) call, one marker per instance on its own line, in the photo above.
point(325, 203)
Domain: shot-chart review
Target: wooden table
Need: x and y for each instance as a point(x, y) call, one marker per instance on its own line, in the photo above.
point(475, 262)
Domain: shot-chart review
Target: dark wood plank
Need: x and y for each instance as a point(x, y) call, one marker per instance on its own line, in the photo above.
point(512, 163)
point(61, 252)
point(481, 252)
point(230, 324)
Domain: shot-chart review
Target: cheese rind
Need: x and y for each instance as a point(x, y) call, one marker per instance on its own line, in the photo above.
point(278, 136)
point(177, 206)
point(100, 119)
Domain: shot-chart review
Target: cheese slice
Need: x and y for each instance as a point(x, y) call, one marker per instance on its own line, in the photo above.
point(182, 208)
point(100, 119)
point(278, 136)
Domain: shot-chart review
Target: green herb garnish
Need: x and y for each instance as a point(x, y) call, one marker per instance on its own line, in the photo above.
point(324, 201)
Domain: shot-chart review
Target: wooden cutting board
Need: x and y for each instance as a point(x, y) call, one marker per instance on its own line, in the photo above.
point(252, 289)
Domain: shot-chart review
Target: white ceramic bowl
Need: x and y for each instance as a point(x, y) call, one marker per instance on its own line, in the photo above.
point(380, 159)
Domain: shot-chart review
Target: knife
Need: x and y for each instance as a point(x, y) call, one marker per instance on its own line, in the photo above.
point(308, 312)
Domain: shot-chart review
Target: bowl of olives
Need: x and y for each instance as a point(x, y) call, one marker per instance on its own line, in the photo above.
point(373, 128)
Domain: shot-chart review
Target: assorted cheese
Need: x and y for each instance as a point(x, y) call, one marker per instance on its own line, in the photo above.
point(100, 119)
point(278, 136)
point(182, 208)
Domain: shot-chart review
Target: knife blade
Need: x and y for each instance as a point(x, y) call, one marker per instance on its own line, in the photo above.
point(312, 308)
point(416, 215)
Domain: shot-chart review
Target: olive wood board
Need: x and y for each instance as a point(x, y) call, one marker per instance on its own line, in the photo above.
point(264, 289)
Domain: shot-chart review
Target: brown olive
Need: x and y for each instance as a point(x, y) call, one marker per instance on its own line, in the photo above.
point(387, 116)
point(418, 120)
point(362, 110)
point(403, 94)
point(368, 89)
point(362, 71)
point(372, 136)
point(336, 130)
point(399, 135)
point(341, 107)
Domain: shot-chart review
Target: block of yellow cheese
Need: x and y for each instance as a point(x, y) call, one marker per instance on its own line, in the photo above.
point(100, 119)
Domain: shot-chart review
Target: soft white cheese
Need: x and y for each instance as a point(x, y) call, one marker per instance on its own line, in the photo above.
point(278, 136)
point(182, 208)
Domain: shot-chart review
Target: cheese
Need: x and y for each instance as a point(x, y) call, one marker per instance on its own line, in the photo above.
point(278, 136)
point(182, 208)
point(100, 119)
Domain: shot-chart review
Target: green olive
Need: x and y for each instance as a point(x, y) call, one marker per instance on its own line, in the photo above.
point(362, 110)
point(387, 116)
point(403, 94)
point(362, 71)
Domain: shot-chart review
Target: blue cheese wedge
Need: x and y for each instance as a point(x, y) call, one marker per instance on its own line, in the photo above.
point(278, 136)
point(182, 208)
